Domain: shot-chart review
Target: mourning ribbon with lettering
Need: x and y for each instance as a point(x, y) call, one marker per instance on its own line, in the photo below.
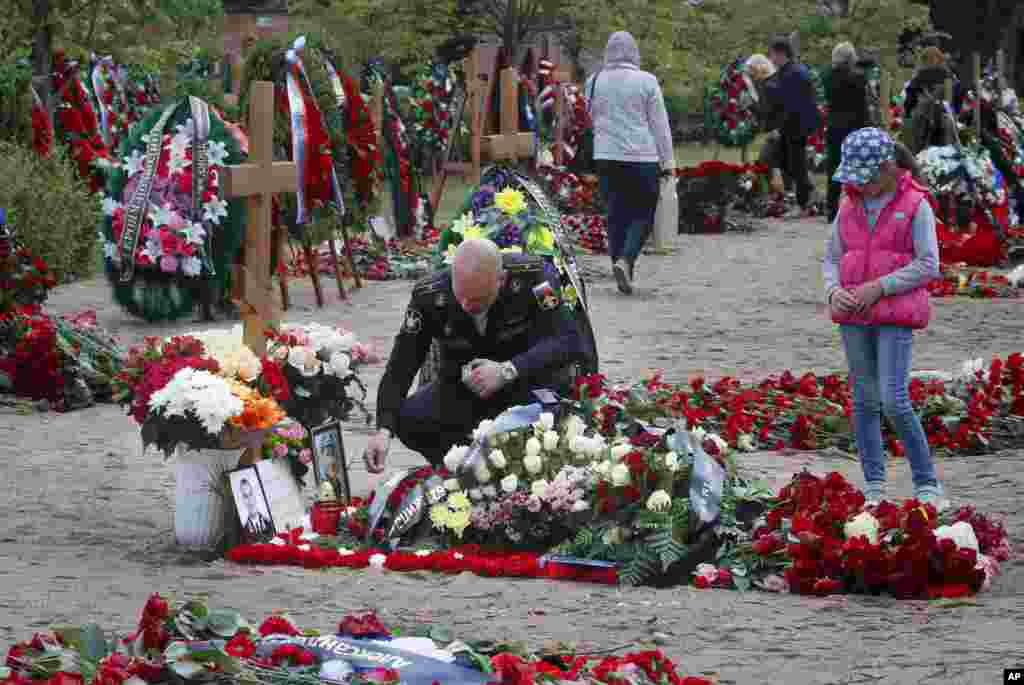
point(138, 204)
point(201, 172)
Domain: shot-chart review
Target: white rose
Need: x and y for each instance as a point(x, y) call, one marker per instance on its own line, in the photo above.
point(550, 440)
point(533, 464)
point(659, 501)
point(612, 536)
point(340, 364)
point(745, 442)
point(547, 421)
point(489, 491)
point(481, 472)
point(452, 485)
point(574, 426)
point(863, 524)
point(620, 475)
point(454, 458)
point(539, 487)
point(595, 446)
point(672, 461)
point(580, 505)
point(620, 450)
point(484, 429)
point(532, 447)
point(961, 533)
point(304, 359)
point(476, 494)
point(577, 444)
point(603, 468)
point(509, 483)
point(498, 460)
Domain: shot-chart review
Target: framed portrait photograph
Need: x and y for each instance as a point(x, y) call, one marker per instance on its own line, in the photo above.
point(329, 463)
point(252, 504)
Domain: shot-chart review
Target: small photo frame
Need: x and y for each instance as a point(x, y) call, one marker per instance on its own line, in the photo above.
point(329, 462)
point(252, 504)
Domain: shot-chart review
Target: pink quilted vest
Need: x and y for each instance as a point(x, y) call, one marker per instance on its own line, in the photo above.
point(869, 256)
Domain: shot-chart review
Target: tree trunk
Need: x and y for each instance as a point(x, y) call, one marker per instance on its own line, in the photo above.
point(42, 54)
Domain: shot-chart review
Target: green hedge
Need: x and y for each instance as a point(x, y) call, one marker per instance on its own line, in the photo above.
point(51, 209)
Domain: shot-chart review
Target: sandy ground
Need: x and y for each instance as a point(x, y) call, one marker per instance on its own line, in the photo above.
point(86, 524)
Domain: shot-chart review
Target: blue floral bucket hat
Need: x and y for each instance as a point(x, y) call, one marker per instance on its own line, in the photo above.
point(864, 150)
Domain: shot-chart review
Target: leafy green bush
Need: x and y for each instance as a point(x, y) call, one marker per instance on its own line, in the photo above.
point(50, 209)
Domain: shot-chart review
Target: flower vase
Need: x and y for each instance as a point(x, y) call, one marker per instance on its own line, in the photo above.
point(202, 501)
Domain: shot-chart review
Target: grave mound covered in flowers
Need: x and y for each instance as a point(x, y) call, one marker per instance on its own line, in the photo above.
point(615, 489)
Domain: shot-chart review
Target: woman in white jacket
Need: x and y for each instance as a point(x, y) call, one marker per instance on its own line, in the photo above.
point(632, 139)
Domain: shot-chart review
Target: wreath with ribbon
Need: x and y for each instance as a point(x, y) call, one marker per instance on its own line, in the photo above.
point(166, 227)
point(398, 167)
point(431, 106)
point(76, 124)
point(548, 121)
point(730, 106)
point(305, 96)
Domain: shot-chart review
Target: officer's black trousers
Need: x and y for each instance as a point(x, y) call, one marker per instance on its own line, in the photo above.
point(445, 413)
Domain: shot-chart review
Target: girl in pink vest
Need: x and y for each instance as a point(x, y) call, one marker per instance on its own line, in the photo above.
point(882, 253)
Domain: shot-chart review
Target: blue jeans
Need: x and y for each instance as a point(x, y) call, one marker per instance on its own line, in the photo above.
point(631, 191)
point(879, 361)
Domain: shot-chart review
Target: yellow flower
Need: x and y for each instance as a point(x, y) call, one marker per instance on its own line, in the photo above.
point(458, 522)
point(542, 239)
point(510, 201)
point(440, 516)
point(449, 256)
point(473, 232)
point(458, 500)
point(570, 295)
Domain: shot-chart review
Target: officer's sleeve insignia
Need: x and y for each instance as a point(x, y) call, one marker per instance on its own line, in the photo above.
point(546, 296)
point(413, 323)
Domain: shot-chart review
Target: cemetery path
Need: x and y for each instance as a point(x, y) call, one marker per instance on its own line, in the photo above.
point(86, 522)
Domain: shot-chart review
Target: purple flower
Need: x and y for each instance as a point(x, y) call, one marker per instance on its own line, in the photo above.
point(168, 264)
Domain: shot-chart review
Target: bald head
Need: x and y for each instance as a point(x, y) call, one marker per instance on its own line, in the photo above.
point(477, 274)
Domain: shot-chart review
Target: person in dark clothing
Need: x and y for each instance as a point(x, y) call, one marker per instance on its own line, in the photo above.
point(932, 74)
point(846, 91)
point(504, 332)
point(792, 97)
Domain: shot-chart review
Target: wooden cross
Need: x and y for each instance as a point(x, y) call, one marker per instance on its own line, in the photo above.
point(257, 181)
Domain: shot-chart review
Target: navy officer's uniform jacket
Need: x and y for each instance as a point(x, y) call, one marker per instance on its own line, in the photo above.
point(528, 324)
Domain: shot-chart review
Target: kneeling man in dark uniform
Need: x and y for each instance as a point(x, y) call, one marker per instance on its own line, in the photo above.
point(503, 331)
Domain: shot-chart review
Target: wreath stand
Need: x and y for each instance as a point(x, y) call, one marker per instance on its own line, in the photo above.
point(501, 143)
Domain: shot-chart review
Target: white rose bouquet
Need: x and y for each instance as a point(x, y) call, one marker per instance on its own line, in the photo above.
point(321, 364)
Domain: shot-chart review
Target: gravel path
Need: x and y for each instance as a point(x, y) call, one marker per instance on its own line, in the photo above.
point(87, 520)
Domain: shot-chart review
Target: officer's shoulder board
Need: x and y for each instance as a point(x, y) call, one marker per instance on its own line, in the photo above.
point(428, 285)
point(526, 264)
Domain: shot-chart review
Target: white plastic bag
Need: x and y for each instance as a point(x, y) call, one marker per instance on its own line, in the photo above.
point(666, 218)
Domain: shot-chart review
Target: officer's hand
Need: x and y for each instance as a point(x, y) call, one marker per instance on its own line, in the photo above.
point(376, 453)
point(486, 379)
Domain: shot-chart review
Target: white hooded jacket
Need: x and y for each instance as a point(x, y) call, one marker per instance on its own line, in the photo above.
point(628, 109)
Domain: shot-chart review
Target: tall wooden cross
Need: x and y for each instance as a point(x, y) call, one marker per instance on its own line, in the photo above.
point(257, 181)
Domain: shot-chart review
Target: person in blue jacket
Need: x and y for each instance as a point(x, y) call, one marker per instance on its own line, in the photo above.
point(794, 107)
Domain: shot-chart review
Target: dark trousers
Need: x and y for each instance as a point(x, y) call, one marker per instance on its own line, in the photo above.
point(445, 413)
point(834, 151)
point(794, 153)
point(631, 191)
